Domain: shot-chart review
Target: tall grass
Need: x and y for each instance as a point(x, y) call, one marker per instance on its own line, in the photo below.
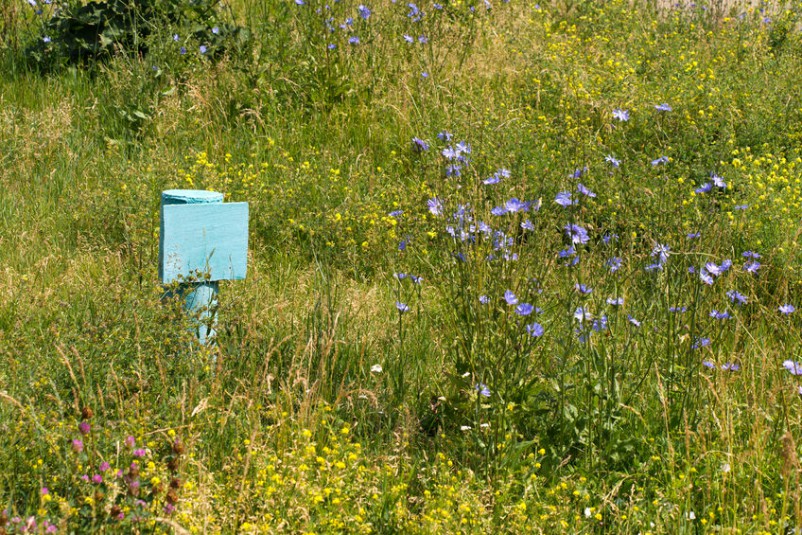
point(502, 273)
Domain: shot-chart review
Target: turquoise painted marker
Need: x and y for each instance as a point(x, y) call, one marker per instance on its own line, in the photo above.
point(202, 240)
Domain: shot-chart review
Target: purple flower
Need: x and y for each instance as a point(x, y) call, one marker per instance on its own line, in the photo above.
point(612, 160)
point(663, 107)
point(202, 49)
point(621, 115)
point(717, 270)
point(581, 314)
point(787, 309)
point(704, 188)
point(77, 445)
point(614, 264)
point(719, 315)
point(660, 252)
point(577, 234)
point(510, 298)
point(615, 301)
point(498, 211)
point(578, 172)
point(794, 368)
point(752, 266)
point(527, 225)
point(453, 170)
point(445, 136)
point(600, 324)
point(354, 40)
point(515, 205)
point(401, 307)
point(524, 309)
point(584, 190)
point(130, 441)
point(139, 453)
point(740, 207)
point(701, 342)
point(563, 198)
point(435, 206)
point(215, 30)
point(658, 161)
point(482, 389)
point(731, 366)
point(84, 428)
point(104, 466)
point(484, 299)
point(364, 12)
point(419, 145)
point(535, 330)
point(396, 213)
point(97, 479)
point(182, 50)
point(678, 310)
point(581, 288)
point(737, 297)
point(750, 254)
point(693, 235)
point(633, 321)
point(706, 277)
point(46, 39)
point(566, 253)
point(299, 2)
point(718, 181)
point(414, 13)
point(709, 364)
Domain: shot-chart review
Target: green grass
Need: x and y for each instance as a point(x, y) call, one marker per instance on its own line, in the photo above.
point(286, 424)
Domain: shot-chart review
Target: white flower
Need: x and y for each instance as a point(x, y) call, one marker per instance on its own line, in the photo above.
point(464, 428)
point(725, 467)
point(376, 368)
point(588, 512)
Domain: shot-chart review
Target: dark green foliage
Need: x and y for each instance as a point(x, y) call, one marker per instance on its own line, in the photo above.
point(81, 33)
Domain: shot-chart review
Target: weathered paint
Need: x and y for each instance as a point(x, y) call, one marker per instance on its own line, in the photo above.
point(201, 234)
point(204, 238)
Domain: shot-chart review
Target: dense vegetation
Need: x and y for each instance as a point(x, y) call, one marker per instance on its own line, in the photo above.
point(513, 267)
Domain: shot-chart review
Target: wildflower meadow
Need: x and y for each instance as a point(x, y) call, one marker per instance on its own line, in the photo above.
point(513, 267)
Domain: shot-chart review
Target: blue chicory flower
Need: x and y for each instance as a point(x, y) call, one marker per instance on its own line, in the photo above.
point(563, 198)
point(577, 233)
point(524, 309)
point(535, 330)
point(510, 298)
point(621, 115)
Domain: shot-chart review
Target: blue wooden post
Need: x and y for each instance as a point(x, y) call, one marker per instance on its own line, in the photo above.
point(202, 235)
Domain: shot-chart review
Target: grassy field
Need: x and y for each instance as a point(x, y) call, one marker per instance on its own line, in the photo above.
point(513, 267)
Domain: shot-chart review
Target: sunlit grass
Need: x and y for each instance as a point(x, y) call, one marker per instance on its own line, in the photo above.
point(524, 321)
